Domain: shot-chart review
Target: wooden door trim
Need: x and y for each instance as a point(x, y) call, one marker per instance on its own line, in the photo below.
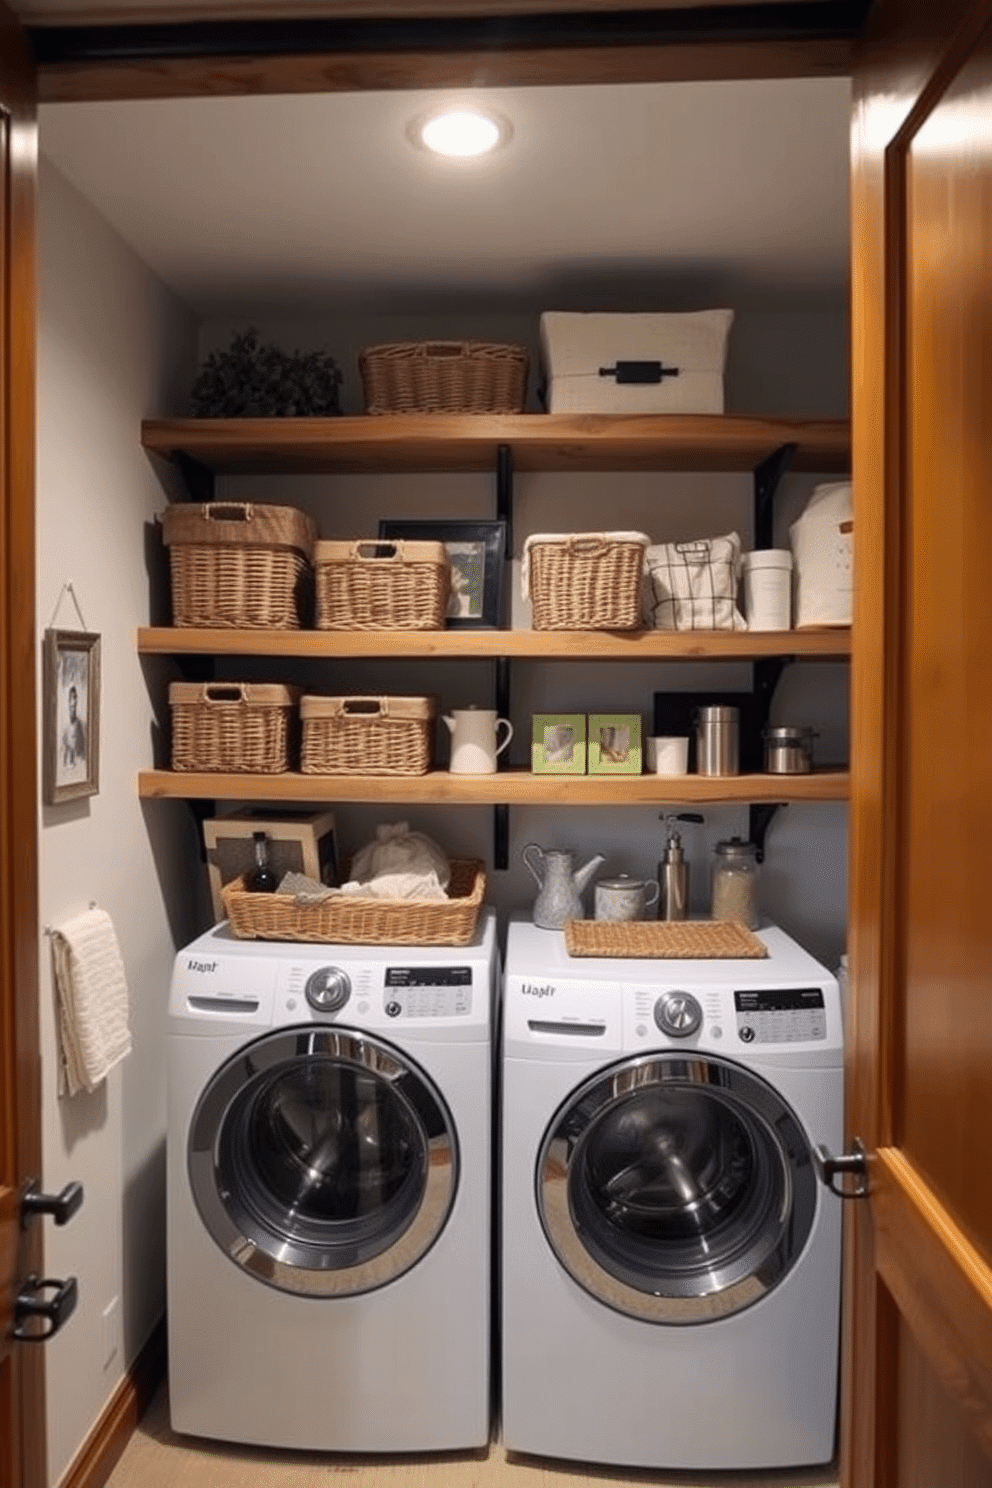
point(926, 1260)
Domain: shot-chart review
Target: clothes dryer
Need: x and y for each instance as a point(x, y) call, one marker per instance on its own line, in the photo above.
point(670, 1260)
point(329, 1180)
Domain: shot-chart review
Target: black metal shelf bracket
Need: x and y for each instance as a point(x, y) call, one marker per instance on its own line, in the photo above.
point(199, 479)
point(504, 494)
point(767, 476)
point(760, 815)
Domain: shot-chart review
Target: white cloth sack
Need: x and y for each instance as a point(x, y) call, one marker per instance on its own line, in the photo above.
point(399, 864)
point(92, 1001)
point(693, 585)
point(823, 557)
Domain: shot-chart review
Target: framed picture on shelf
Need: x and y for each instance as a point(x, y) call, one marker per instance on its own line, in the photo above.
point(70, 716)
point(614, 744)
point(475, 552)
point(558, 744)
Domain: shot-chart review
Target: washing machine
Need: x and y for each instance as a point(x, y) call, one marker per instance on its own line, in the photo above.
point(670, 1259)
point(329, 1193)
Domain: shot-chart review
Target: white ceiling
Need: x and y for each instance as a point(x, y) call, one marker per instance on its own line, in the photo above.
point(632, 196)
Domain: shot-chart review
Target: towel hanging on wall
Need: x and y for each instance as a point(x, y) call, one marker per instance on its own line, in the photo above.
point(92, 1000)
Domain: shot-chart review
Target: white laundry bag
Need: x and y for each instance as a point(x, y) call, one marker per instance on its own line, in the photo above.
point(823, 553)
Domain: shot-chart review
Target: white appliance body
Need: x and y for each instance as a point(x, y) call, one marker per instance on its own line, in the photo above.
point(670, 1261)
point(329, 1193)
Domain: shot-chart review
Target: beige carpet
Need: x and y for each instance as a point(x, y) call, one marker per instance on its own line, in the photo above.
point(156, 1458)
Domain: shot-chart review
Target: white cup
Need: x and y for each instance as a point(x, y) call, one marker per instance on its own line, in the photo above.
point(667, 755)
point(768, 589)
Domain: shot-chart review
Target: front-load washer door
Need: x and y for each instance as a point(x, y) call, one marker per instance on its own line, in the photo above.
point(676, 1190)
point(322, 1161)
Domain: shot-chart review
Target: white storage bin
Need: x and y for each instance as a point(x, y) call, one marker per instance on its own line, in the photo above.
point(587, 359)
point(768, 589)
point(823, 553)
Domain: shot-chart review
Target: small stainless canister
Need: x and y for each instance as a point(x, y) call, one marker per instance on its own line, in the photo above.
point(788, 750)
point(717, 741)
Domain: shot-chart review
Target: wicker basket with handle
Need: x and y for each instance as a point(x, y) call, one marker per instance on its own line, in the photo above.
point(381, 585)
point(367, 735)
point(243, 727)
point(444, 377)
point(586, 580)
point(348, 919)
point(238, 565)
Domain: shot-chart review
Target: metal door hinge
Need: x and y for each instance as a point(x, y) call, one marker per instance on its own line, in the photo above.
point(852, 1166)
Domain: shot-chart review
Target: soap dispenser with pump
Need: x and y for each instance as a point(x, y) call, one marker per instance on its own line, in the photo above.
point(673, 870)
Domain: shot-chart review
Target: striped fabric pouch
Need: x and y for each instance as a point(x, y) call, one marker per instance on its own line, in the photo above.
point(693, 585)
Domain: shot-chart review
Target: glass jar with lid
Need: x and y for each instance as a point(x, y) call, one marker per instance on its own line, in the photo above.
point(734, 882)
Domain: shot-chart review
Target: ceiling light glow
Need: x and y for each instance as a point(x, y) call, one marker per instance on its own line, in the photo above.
point(462, 133)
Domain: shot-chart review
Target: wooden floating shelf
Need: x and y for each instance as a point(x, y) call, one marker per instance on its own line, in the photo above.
point(396, 443)
point(581, 645)
point(507, 787)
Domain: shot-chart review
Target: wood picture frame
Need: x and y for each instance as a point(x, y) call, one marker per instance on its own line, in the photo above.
point(70, 716)
point(475, 551)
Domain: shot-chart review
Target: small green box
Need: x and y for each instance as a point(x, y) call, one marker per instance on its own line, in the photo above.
point(558, 744)
point(614, 743)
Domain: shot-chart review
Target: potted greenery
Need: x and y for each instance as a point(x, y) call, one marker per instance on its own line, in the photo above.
point(251, 380)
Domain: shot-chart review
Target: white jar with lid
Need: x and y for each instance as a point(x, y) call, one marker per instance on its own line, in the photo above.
point(734, 882)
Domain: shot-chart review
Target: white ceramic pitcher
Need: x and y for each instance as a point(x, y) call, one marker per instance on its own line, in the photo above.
point(475, 741)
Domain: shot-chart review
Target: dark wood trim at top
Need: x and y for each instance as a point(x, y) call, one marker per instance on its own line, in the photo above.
point(556, 45)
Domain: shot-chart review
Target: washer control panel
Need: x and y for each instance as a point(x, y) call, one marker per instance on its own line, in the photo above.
point(428, 991)
point(791, 1015)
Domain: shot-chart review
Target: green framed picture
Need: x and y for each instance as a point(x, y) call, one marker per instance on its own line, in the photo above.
point(614, 743)
point(558, 744)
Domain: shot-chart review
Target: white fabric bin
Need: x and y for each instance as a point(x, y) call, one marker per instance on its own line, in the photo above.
point(575, 345)
point(823, 553)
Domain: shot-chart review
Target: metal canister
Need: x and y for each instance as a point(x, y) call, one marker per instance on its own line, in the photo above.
point(788, 749)
point(717, 740)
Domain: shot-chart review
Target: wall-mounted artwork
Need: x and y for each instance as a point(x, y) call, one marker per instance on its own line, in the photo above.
point(70, 716)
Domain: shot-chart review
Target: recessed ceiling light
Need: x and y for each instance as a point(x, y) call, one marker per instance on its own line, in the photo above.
point(460, 132)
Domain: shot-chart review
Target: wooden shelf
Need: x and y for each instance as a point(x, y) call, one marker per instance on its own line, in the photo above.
point(583, 645)
point(395, 443)
point(508, 787)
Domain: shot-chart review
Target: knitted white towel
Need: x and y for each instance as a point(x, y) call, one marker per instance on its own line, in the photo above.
point(92, 1001)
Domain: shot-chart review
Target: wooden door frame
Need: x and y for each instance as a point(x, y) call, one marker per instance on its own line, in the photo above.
point(18, 751)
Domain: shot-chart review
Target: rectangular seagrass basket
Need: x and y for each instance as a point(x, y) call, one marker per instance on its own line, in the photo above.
point(444, 377)
point(236, 565)
point(586, 581)
point(354, 920)
point(682, 940)
point(243, 727)
point(381, 585)
point(367, 735)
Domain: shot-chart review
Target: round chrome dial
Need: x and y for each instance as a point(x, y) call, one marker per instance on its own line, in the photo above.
point(328, 989)
point(678, 1014)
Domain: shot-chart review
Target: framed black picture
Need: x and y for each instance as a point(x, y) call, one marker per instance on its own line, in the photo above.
point(71, 716)
point(475, 551)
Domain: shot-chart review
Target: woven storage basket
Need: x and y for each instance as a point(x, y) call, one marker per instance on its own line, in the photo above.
point(381, 585)
point(367, 735)
point(586, 581)
point(681, 940)
point(244, 727)
point(237, 565)
point(444, 377)
point(352, 920)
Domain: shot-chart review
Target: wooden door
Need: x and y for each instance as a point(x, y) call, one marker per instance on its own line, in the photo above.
point(22, 1420)
point(917, 1396)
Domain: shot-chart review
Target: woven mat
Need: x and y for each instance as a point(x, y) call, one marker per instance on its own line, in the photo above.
point(671, 939)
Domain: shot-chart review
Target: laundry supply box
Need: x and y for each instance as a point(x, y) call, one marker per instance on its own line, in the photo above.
point(599, 362)
point(299, 842)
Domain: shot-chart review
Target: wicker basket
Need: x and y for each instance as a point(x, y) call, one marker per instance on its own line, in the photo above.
point(237, 565)
point(352, 920)
point(444, 377)
point(381, 585)
point(681, 940)
point(367, 735)
point(586, 581)
point(243, 727)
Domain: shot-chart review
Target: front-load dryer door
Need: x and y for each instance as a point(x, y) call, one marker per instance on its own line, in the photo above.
point(322, 1161)
point(676, 1190)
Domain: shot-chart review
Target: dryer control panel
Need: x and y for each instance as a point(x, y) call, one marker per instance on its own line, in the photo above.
point(792, 1015)
point(427, 991)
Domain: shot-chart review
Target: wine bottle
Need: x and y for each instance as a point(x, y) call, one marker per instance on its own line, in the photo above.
point(262, 878)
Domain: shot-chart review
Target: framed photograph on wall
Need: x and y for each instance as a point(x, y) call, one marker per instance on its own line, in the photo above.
point(70, 716)
point(475, 552)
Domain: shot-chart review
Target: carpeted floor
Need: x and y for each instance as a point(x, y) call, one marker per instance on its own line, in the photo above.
point(156, 1458)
